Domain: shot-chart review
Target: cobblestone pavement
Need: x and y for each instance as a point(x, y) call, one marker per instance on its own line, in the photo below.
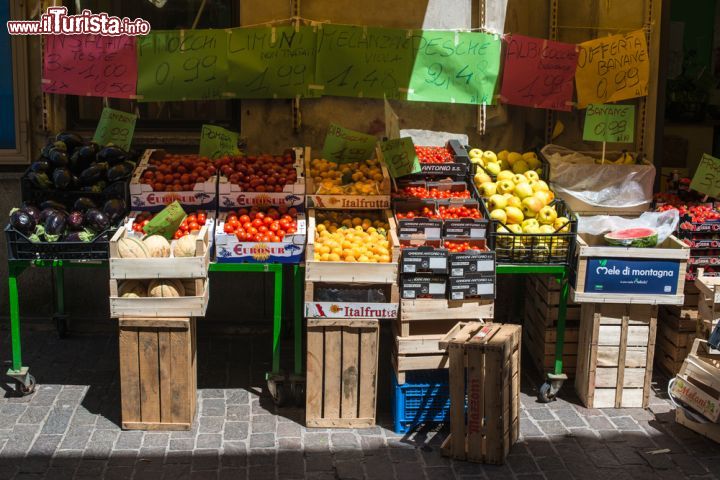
point(69, 429)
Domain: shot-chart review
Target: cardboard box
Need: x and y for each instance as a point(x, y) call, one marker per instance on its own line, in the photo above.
point(423, 286)
point(471, 262)
point(473, 285)
point(424, 259)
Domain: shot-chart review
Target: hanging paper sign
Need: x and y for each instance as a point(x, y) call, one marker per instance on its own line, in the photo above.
point(538, 73)
point(609, 123)
point(115, 127)
point(367, 62)
point(707, 177)
point(611, 69)
point(90, 65)
point(400, 157)
point(276, 62)
point(392, 121)
point(182, 65)
point(455, 67)
point(344, 146)
point(217, 141)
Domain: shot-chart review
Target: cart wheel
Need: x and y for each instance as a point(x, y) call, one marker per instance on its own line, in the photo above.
point(61, 325)
point(282, 394)
point(546, 394)
point(299, 394)
point(23, 389)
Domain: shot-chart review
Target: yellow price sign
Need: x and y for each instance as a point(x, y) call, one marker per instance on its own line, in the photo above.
point(707, 177)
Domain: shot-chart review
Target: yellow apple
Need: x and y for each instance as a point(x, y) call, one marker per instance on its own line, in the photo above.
point(505, 186)
point(531, 206)
point(528, 222)
point(502, 155)
point(489, 157)
point(540, 185)
point(520, 166)
point(475, 153)
point(547, 215)
point(499, 215)
point(505, 165)
point(528, 155)
point(497, 202)
point(482, 177)
point(532, 175)
point(543, 196)
point(534, 163)
point(505, 175)
point(523, 189)
point(514, 215)
point(562, 224)
point(493, 168)
point(513, 157)
point(519, 178)
point(515, 201)
point(531, 229)
point(488, 189)
point(515, 228)
point(477, 161)
point(547, 229)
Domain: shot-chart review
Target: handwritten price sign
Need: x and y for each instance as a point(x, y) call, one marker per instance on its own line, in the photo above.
point(95, 65)
point(217, 141)
point(609, 123)
point(538, 73)
point(613, 68)
point(271, 62)
point(345, 146)
point(707, 177)
point(115, 127)
point(455, 67)
point(400, 157)
point(182, 65)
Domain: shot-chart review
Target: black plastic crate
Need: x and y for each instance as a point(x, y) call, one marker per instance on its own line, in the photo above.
point(536, 248)
point(21, 248)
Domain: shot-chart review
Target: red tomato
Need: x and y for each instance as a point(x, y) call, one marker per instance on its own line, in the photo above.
point(257, 222)
point(228, 228)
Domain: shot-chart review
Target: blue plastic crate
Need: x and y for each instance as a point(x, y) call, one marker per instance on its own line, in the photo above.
point(424, 398)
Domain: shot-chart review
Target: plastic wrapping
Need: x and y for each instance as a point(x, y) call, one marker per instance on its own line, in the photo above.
point(604, 186)
point(665, 223)
point(428, 138)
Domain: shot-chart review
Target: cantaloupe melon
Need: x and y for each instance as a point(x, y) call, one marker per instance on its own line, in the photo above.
point(157, 245)
point(132, 289)
point(130, 247)
point(165, 288)
point(185, 246)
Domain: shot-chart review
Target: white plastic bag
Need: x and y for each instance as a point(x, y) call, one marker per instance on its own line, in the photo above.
point(665, 223)
point(604, 186)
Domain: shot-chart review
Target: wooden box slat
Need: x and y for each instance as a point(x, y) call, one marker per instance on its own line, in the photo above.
point(158, 373)
point(193, 304)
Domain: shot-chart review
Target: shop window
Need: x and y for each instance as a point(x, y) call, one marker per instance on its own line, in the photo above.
point(83, 112)
point(14, 123)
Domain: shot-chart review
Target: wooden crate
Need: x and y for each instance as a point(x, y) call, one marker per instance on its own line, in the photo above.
point(593, 254)
point(677, 328)
point(342, 356)
point(180, 267)
point(708, 303)
point(615, 355)
point(545, 292)
point(317, 307)
point(491, 382)
point(539, 341)
point(346, 272)
point(158, 373)
point(434, 308)
point(193, 304)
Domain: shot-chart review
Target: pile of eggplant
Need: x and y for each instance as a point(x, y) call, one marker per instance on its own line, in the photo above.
point(52, 221)
point(68, 162)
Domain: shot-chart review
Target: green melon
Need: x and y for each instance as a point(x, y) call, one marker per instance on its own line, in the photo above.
point(632, 237)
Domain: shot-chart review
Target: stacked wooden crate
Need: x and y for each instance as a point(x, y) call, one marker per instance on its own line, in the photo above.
point(708, 303)
point(158, 369)
point(542, 306)
point(677, 329)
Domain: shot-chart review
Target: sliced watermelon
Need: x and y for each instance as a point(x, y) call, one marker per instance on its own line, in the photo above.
point(632, 237)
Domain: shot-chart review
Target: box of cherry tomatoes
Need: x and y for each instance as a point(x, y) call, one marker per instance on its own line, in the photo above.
point(261, 180)
point(161, 178)
point(450, 160)
point(257, 234)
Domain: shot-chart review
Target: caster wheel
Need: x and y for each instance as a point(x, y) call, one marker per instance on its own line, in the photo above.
point(282, 395)
point(22, 389)
point(61, 326)
point(299, 394)
point(546, 395)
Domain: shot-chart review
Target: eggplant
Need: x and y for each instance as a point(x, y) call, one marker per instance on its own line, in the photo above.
point(119, 171)
point(75, 183)
point(58, 159)
point(92, 174)
point(52, 204)
point(83, 204)
point(114, 210)
point(47, 149)
point(40, 166)
point(55, 226)
point(71, 140)
point(83, 157)
point(84, 236)
point(112, 155)
point(75, 220)
point(37, 235)
point(96, 220)
point(31, 210)
point(115, 190)
point(22, 221)
point(62, 178)
point(45, 213)
point(40, 180)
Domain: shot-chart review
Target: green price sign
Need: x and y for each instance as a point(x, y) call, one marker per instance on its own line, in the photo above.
point(115, 127)
point(345, 146)
point(400, 157)
point(609, 123)
point(707, 177)
point(216, 142)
